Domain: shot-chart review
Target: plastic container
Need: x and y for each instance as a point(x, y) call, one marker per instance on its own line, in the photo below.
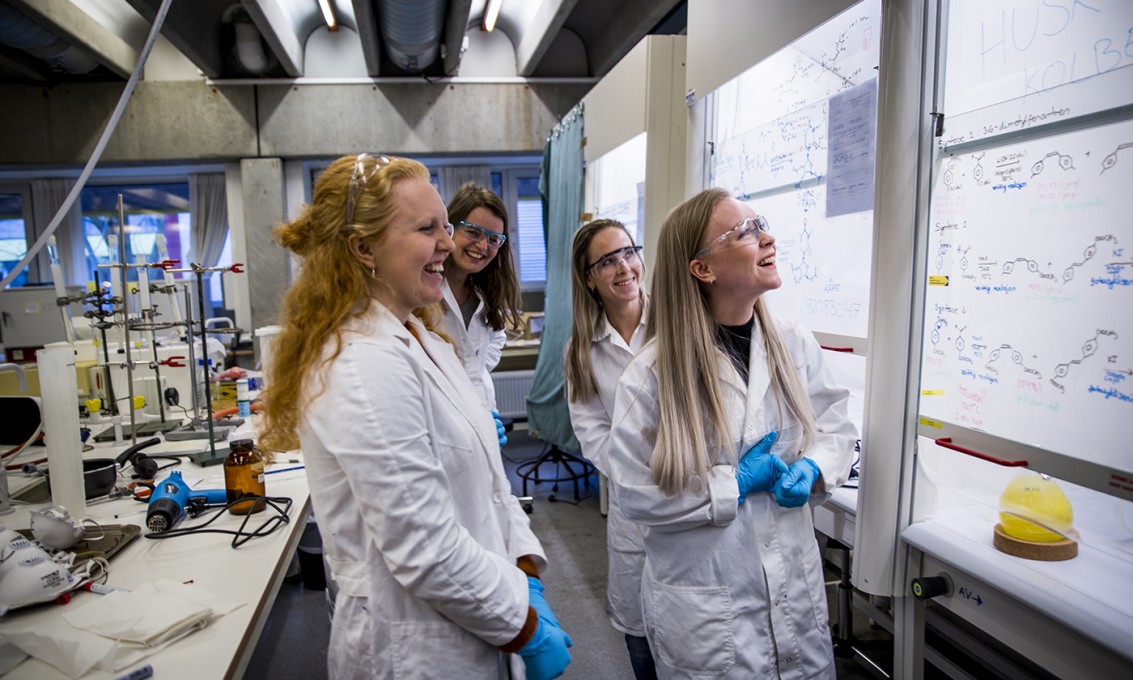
point(244, 476)
point(243, 398)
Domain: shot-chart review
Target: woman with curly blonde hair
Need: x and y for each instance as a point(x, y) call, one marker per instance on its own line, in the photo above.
point(435, 561)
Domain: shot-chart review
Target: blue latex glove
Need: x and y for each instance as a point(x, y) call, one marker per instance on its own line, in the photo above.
point(759, 469)
point(500, 432)
point(545, 656)
point(539, 603)
point(793, 489)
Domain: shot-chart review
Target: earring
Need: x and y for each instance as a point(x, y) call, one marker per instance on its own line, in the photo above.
point(373, 273)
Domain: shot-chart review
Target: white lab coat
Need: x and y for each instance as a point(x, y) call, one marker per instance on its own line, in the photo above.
point(625, 551)
point(729, 590)
point(419, 525)
point(477, 344)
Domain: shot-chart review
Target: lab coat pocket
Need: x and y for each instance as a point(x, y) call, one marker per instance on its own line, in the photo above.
point(816, 584)
point(692, 627)
point(425, 650)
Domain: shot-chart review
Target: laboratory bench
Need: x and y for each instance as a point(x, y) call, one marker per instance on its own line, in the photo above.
point(1069, 619)
point(250, 575)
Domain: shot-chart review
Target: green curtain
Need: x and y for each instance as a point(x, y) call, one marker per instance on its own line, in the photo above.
point(561, 183)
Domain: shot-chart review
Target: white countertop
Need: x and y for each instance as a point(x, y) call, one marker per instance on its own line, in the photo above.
point(1091, 593)
point(250, 574)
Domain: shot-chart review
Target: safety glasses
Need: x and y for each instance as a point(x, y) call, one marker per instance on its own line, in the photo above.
point(476, 233)
point(359, 178)
point(608, 263)
point(743, 233)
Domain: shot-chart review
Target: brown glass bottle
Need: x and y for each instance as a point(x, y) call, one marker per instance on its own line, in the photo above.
point(244, 476)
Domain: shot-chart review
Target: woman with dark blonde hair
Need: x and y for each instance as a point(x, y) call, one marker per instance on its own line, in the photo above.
point(481, 295)
point(726, 425)
point(435, 561)
point(610, 309)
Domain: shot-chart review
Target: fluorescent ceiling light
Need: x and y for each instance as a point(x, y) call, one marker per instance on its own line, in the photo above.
point(490, 13)
point(328, 14)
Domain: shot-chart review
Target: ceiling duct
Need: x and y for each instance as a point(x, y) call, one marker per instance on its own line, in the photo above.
point(21, 32)
point(411, 31)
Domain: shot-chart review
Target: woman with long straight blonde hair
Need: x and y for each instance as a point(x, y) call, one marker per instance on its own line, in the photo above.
point(726, 425)
point(610, 309)
point(436, 565)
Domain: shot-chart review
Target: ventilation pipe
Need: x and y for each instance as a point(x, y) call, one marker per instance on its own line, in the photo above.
point(23, 33)
point(250, 48)
point(411, 30)
point(249, 44)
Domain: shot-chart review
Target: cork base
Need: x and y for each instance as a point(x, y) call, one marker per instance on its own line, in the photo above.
point(1057, 551)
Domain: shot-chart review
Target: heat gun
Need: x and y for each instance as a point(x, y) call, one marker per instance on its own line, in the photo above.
point(172, 499)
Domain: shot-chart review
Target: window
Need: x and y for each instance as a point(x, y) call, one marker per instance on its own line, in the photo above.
point(525, 204)
point(13, 233)
point(149, 210)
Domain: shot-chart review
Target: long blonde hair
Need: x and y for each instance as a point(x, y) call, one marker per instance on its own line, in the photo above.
point(694, 432)
point(333, 287)
point(586, 313)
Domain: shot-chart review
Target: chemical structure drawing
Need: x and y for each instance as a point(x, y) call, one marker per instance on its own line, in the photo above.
point(950, 179)
point(1111, 160)
point(1089, 348)
point(1031, 266)
point(1016, 358)
point(1064, 161)
point(941, 251)
point(978, 170)
point(805, 269)
point(941, 323)
point(1088, 254)
point(963, 253)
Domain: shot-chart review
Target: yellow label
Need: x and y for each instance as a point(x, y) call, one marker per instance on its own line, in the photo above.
point(938, 280)
point(931, 423)
point(932, 393)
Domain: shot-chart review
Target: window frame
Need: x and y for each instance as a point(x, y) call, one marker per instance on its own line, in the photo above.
point(34, 267)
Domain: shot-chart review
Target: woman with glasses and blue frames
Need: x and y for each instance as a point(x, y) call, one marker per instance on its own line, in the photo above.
point(610, 309)
point(481, 295)
point(434, 559)
point(726, 426)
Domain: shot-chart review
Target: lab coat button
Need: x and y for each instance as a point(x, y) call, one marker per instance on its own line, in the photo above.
point(496, 497)
point(767, 544)
point(789, 659)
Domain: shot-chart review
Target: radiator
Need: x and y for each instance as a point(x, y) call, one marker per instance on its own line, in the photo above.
point(512, 388)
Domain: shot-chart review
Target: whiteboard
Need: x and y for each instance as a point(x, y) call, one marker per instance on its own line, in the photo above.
point(1018, 64)
point(1029, 302)
point(770, 147)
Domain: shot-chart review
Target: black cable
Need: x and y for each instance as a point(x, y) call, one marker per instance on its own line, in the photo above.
point(239, 536)
point(176, 461)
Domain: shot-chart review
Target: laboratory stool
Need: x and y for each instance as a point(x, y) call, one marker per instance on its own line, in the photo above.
point(568, 468)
